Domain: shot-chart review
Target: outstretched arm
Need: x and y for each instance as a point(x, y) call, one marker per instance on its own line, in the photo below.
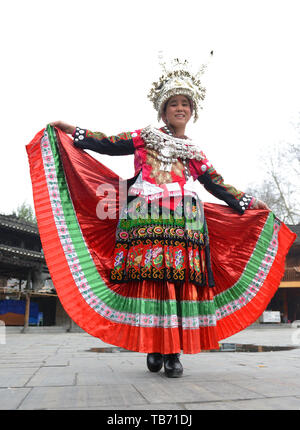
point(214, 183)
point(121, 144)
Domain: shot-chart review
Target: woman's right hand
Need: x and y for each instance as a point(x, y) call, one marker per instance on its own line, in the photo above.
point(67, 128)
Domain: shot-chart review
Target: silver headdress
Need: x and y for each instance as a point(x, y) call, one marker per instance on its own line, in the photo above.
point(178, 79)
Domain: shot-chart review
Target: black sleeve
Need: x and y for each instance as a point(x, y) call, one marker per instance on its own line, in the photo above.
point(214, 184)
point(121, 144)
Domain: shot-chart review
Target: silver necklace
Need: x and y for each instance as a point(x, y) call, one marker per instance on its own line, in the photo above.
point(170, 148)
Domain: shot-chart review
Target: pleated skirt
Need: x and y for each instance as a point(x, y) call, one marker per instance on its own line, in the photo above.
point(247, 258)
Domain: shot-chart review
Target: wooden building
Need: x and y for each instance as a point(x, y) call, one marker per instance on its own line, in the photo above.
point(24, 276)
point(287, 298)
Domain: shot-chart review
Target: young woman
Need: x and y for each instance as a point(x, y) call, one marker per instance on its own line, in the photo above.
point(168, 274)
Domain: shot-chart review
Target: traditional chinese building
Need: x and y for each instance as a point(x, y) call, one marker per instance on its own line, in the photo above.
point(25, 283)
point(287, 298)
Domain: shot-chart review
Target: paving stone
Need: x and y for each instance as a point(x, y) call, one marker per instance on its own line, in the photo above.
point(82, 397)
point(16, 377)
point(174, 391)
point(59, 371)
point(53, 376)
point(272, 388)
point(212, 406)
point(90, 378)
point(57, 360)
point(142, 407)
point(37, 358)
point(85, 362)
point(12, 397)
point(275, 403)
point(20, 365)
point(228, 391)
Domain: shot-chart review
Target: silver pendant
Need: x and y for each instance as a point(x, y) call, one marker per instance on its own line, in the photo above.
point(165, 151)
point(166, 167)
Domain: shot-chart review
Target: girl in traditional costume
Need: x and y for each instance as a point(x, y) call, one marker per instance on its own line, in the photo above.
point(143, 264)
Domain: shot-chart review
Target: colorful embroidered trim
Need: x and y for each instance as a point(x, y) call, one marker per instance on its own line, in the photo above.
point(113, 139)
point(157, 247)
point(116, 308)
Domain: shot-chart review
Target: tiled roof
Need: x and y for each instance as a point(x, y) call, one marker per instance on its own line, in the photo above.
point(12, 222)
point(22, 252)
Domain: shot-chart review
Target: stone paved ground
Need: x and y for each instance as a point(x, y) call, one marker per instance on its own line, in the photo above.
point(48, 370)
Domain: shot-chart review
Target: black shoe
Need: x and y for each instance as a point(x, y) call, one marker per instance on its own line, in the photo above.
point(155, 361)
point(173, 367)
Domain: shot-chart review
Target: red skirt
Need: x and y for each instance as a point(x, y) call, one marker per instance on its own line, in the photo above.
point(247, 256)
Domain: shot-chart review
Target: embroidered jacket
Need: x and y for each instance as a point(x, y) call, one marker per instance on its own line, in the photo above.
point(145, 161)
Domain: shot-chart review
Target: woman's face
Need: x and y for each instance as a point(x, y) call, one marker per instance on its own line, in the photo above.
point(177, 112)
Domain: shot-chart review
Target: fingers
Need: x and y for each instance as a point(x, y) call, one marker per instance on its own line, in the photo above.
point(259, 204)
point(262, 205)
point(58, 124)
point(67, 128)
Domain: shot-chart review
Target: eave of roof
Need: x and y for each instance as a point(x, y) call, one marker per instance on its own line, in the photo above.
point(14, 223)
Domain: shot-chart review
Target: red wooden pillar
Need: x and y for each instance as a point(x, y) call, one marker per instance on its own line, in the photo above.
point(27, 311)
point(27, 304)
